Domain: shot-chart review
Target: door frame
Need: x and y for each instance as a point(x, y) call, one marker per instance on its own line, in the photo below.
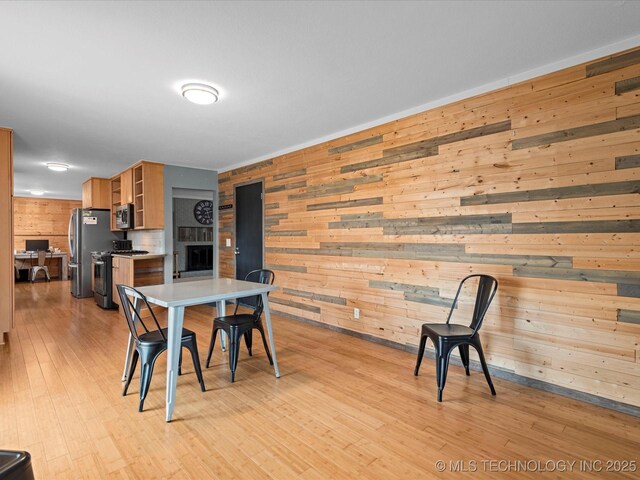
point(235, 220)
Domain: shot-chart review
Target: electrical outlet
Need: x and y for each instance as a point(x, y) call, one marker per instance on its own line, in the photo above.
point(356, 313)
point(228, 242)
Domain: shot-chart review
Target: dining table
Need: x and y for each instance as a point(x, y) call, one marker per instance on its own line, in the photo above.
point(176, 296)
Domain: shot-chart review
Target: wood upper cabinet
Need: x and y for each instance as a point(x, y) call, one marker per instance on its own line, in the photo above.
point(148, 191)
point(121, 192)
point(96, 193)
point(6, 231)
point(143, 186)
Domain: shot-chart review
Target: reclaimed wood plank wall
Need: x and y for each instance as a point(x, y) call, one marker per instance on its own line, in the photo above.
point(42, 219)
point(537, 184)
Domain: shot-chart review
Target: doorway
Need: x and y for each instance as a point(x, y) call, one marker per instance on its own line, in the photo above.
point(249, 209)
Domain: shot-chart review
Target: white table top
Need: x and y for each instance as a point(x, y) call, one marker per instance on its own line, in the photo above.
point(35, 255)
point(185, 294)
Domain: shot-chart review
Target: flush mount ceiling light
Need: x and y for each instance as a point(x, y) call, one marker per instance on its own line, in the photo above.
point(58, 167)
point(37, 192)
point(200, 93)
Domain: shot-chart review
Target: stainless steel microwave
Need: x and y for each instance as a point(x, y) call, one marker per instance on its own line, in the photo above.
point(124, 216)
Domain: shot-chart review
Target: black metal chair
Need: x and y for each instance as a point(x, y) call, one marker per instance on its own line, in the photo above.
point(447, 336)
point(242, 324)
point(150, 344)
point(15, 465)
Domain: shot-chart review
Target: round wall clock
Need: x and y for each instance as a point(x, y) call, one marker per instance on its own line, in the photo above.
point(203, 211)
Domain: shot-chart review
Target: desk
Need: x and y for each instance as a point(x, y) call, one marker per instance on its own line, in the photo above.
point(25, 260)
point(176, 296)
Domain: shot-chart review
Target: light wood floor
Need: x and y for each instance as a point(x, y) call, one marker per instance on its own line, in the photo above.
point(344, 407)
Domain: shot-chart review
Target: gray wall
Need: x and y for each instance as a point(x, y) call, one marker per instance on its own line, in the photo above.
point(193, 179)
point(183, 217)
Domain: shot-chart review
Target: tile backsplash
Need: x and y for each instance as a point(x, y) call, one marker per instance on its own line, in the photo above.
point(150, 240)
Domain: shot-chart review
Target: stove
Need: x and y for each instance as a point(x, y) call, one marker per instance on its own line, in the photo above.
point(103, 273)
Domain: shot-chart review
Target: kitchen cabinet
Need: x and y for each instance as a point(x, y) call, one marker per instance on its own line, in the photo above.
point(121, 193)
point(143, 186)
point(136, 271)
point(96, 193)
point(6, 232)
point(148, 190)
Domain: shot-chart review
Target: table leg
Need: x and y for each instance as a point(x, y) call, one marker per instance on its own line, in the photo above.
point(174, 337)
point(131, 345)
point(272, 344)
point(221, 310)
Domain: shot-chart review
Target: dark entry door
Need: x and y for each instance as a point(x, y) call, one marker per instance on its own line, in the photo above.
point(248, 210)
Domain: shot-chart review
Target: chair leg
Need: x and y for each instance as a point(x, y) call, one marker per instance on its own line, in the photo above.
point(442, 366)
point(145, 378)
point(423, 343)
point(248, 339)
point(464, 356)
point(180, 362)
point(132, 369)
point(485, 369)
point(234, 348)
point(212, 342)
point(260, 328)
point(193, 348)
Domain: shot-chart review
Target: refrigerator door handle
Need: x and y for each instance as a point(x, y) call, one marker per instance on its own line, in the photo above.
point(69, 236)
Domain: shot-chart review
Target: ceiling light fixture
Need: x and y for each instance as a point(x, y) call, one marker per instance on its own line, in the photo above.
point(37, 192)
point(200, 93)
point(58, 167)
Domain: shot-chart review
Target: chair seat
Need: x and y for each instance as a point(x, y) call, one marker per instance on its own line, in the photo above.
point(447, 330)
point(242, 319)
point(155, 337)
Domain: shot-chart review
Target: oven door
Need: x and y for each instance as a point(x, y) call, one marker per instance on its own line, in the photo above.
point(100, 280)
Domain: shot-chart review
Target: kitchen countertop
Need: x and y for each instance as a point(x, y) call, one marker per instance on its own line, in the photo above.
point(145, 256)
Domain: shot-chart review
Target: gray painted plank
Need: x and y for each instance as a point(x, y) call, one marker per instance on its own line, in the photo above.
point(355, 145)
point(287, 233)
point(291, 303)
point(627, 85)
point(223, 179)
point(379, 162)
point(346, 204)
point(437, 301)
point(424, 222)
point(619, 125)
point(481, 229)
point(287, 268)
point(611, 64)
point(556, 193)
point(404, 287)
point(599, 226)
point(625, 290)
point(315, 296)
point(272, 206)
point(629, 316)
point(253, 166)
point(294, 173)
point(288, 186)
point(628, 161)
point(599, 276)
point(334, 188)
point(361, 216)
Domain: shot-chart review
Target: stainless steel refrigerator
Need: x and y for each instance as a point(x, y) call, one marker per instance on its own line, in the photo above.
point(89, 231)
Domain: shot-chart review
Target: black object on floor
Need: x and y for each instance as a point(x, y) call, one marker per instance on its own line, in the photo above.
point(150, 344)
point(238, 325)
point(15, 465)
point(447, 336)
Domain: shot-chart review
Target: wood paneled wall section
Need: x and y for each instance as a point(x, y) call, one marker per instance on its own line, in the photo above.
point(537, 184)
point(42, 219)
point(6, 232)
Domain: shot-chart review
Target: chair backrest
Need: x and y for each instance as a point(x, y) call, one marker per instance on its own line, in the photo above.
point(42, 258)
point(133, 317)
point(486, 290)
point(259, 276)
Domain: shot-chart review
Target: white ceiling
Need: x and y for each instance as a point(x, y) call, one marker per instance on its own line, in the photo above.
point(94, 84)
